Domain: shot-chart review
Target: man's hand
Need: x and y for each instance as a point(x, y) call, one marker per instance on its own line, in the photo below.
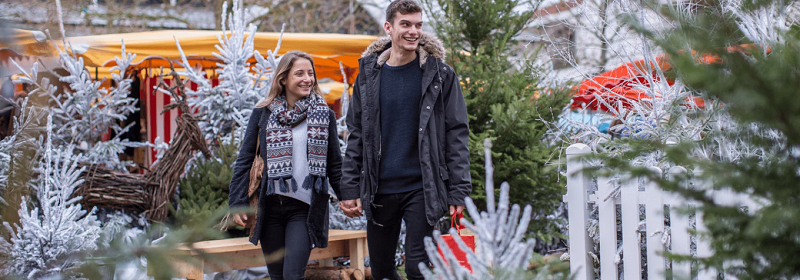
point(240, 218)
point(352, 208)
point(458, 208)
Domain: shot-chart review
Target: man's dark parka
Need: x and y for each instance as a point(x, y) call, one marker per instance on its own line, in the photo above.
point(443, 131)
point(318, 212)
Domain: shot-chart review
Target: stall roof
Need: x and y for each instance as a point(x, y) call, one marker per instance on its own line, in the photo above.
point(16, 43)
point(156, 48)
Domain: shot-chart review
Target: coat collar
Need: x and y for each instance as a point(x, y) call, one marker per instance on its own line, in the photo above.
point(429, 45)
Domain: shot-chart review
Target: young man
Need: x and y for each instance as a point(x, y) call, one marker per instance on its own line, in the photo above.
point(407, 156)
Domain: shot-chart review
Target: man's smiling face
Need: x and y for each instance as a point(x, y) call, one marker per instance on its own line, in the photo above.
point(405, 31)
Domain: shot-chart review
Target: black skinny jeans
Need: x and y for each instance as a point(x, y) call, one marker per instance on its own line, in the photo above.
point(389, 211)
point(284, 238)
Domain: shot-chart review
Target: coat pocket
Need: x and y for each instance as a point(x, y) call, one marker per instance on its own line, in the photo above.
point(445, 187)
point(445, 176)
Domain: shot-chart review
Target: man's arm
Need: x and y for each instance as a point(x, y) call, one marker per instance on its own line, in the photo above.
point(351, 167)
point(457, 146)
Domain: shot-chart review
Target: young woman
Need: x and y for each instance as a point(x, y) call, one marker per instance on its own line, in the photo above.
point(296, 134)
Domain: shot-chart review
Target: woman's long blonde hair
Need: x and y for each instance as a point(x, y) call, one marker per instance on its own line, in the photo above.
point(287, 61)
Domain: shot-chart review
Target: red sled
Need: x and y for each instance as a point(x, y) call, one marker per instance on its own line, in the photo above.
point(469, 240)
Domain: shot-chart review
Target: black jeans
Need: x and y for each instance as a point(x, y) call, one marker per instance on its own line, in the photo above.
point(284, 238)
point(388, 211)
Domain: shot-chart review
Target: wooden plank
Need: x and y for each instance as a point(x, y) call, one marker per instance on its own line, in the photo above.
point(336, 248)
point(357, 248)
point(607, 212)
point(679, 227)
point(338, 234)
point(252, 257)
point(654, 222)
point(239, 253)
point(217, 246)
point(243, 243)
point(704, 250)
point(236, 260)
point(182, 267)
point(630, 231)
point(580, 244)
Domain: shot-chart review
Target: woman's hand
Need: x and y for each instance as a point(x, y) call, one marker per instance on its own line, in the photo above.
point(351, 208)
point(240, 218)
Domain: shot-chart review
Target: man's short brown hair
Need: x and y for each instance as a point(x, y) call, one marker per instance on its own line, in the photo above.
point(403, 7)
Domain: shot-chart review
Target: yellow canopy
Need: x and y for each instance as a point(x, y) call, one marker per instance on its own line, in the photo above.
point(331, 90)
point(18, 42)
point(154, 49)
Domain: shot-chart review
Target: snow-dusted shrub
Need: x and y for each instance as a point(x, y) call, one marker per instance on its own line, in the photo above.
point(84, 112)
point(230, 103)
point(502, 250)
point(670, 114)
point(52, 235)
point(22, 139)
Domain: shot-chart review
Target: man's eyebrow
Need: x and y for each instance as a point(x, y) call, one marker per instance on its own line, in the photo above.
point(405, 20)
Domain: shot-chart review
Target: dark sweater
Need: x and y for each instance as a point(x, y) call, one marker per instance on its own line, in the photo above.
point(401, 90)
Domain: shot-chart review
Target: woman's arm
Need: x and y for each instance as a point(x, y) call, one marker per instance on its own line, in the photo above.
point(241, 169)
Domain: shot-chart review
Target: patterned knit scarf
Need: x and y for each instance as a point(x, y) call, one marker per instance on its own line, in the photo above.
point(279, 142)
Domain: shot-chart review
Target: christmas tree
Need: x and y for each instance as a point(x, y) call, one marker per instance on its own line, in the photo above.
point(85, 111)
point(230, 104)
point(204, 189)
point(52, 235)
point(501, 248)
point(743, 57)
point(754, 47)
point(505, 101)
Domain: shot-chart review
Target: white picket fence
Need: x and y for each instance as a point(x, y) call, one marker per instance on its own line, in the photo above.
point(581, 199)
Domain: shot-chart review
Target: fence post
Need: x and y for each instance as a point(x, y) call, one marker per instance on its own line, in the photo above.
point(654, 221)
point(704, 250)
point(579, 242)
point(632, 263)
point(607, 216)
point(679, 224)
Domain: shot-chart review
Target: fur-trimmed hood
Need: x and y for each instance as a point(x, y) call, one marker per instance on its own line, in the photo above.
point(429, 44)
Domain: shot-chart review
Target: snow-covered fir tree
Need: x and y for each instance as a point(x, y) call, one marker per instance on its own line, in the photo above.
point(230, 103)
point(502, 250)
point(52, 235)
point(670, 113)
point(85, 112)
point(22, 139)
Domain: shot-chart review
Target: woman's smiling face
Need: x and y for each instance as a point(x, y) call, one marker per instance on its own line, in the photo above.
point(300, 79)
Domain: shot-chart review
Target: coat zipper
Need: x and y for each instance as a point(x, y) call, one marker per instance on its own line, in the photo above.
point(380, 150)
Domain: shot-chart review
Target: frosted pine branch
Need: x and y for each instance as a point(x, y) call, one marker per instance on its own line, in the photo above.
point(502, 252)
point(84, 112)
point(26, 126)
point(50, 238)
point(239, 90)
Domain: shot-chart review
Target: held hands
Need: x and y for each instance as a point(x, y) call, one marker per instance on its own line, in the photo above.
point(352, 208)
